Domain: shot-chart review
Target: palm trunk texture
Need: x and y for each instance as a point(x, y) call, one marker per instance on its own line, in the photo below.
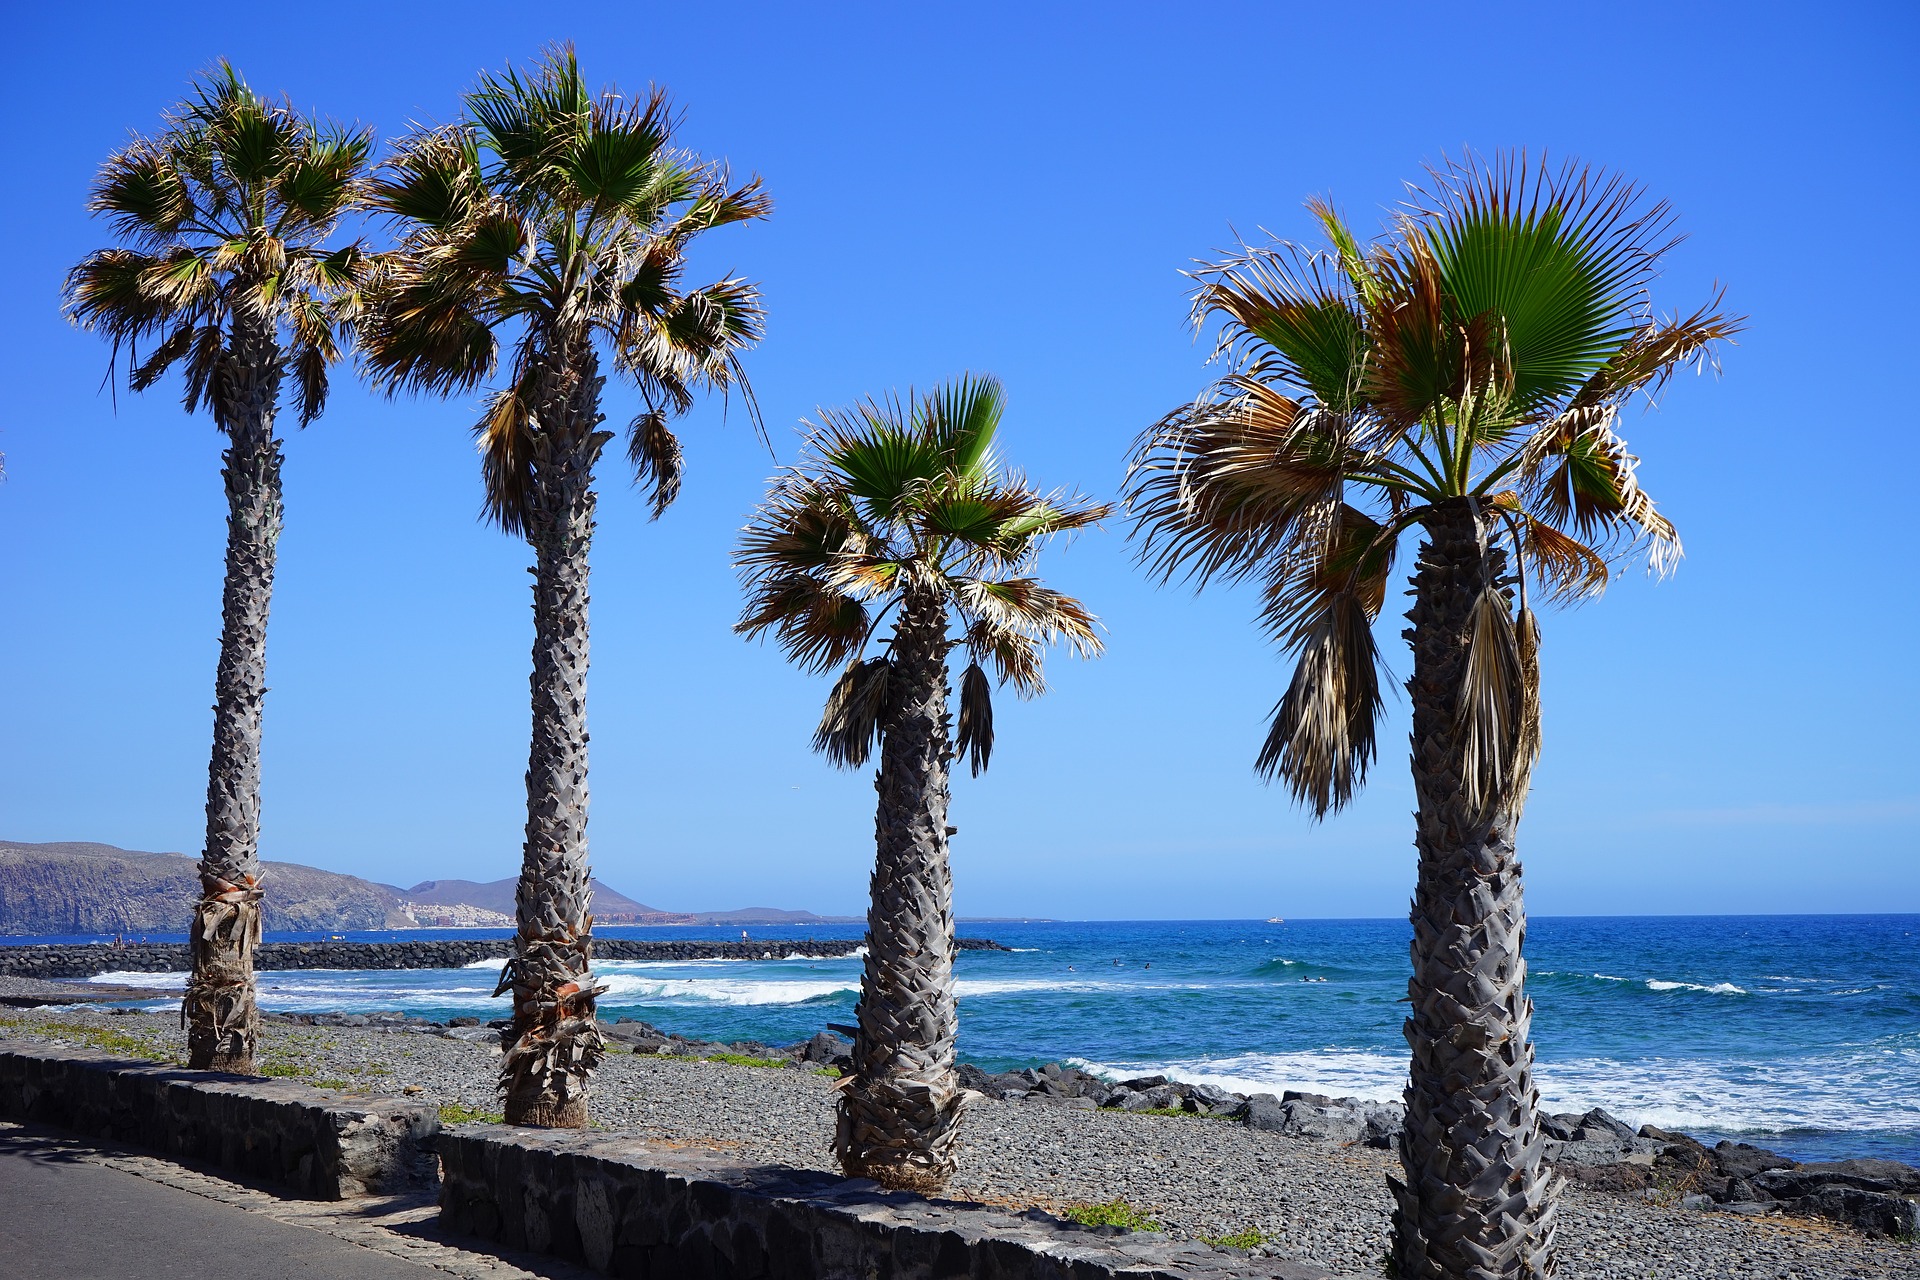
point(899, 1112)
point(555, 1041)
point(220, 1009)
point(1478, 1201)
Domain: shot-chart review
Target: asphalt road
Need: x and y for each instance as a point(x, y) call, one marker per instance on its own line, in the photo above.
point(66, 1219)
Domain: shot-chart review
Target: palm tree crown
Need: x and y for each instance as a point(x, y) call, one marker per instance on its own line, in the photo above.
point(226, 217)
point(903, 499)
point(1481, 350)
point(567, 215)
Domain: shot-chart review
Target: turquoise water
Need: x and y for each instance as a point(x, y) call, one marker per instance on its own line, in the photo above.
point(1797, 1032)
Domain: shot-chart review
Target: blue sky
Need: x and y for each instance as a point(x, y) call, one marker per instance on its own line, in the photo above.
point(1010, 189)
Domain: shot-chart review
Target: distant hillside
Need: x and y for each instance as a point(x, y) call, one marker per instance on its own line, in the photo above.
point(97, 888)
point(497, 895)
point(86, 888)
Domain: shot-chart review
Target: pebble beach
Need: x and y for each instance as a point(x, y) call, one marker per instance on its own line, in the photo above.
point(1198, 1178)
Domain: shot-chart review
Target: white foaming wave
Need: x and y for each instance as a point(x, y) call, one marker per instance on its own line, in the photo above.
point(1658, 984)
point(629, 987)
point(1860, 1088)
point(1716, 989)
point(483, 964)
point(1345, 1073)
point(1867, 1088)
point(132, 978)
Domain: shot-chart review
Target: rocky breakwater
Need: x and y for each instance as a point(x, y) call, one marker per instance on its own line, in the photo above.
point(171, 957)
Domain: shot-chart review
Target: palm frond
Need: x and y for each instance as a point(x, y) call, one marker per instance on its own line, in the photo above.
point(657, 460)
point(1016, 655)
point(850, 726)
point(1294, 303)
point(1562, 257)
point(1025, 606)
point(1657, 350)
point(1492, 704)
point(819, 628)
point(961, 419)
point(1224, 486)
point(1321, 742)
point(974, 737)
point(1580, 477)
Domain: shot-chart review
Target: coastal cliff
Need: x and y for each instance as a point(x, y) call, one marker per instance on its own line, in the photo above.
point(83, 888)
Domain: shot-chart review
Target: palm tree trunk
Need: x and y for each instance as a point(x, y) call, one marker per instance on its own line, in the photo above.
point(219, 1009)
point(899, 1111)
point(1478, 1201)
point(555, 1042)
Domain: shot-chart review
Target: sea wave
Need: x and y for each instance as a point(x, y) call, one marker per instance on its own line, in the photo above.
point(1852, 1091)
point(133, 978)
point(1356, 1073)
point(1649, 984)
point(629, 988)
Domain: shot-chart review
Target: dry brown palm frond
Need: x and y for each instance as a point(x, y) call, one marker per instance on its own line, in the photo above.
point(1659, 350)
point(1023, 605)
point(818, 627)
point(1016, 656)
point(1356, 555)
point(850, 725)
point(1322, 739)
point(654, 452)
point(1492, 706)
point(1221, 486)
point(1526, 747)
point(975, 733)
point(1569, 569)
point(1415, 362)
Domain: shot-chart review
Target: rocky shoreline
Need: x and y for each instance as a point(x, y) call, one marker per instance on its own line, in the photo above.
point(1281, 1179)
point(86, 960)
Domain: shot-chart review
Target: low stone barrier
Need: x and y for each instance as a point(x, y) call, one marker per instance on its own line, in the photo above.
point(318, 1144)
point(42, 961)
point(625, 1208)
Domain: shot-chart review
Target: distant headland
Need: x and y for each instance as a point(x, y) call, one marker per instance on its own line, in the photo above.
point(85, 888)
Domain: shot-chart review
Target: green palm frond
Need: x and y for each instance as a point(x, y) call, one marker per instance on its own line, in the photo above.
point(1297, 307)
point(961, 419)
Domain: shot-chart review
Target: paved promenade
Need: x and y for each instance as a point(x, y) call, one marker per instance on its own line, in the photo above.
point(77, 1209)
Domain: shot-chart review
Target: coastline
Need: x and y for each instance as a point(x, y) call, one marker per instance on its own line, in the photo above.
point(1200, 1178)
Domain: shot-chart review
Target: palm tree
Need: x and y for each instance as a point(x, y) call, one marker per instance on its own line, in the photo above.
point(905, 507)
point(1463, 376)
point(225, 270)
point(559, 220)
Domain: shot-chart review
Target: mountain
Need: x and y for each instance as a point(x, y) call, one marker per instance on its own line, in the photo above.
point(82, 887)
point(609, 905)
point(85, 888)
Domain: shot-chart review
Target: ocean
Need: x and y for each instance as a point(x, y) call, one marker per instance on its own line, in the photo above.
point(1800, 1033)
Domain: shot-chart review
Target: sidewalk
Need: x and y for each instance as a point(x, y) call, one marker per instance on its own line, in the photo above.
point(85, 1210)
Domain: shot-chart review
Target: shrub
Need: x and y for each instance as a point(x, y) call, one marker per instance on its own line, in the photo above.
point(1114, 1213)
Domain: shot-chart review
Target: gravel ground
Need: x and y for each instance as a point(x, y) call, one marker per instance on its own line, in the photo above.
point(1199, 1178)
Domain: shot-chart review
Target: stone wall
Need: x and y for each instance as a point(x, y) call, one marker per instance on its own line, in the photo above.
point(628, 1209)
point(451, 953)
point(318, 1144)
